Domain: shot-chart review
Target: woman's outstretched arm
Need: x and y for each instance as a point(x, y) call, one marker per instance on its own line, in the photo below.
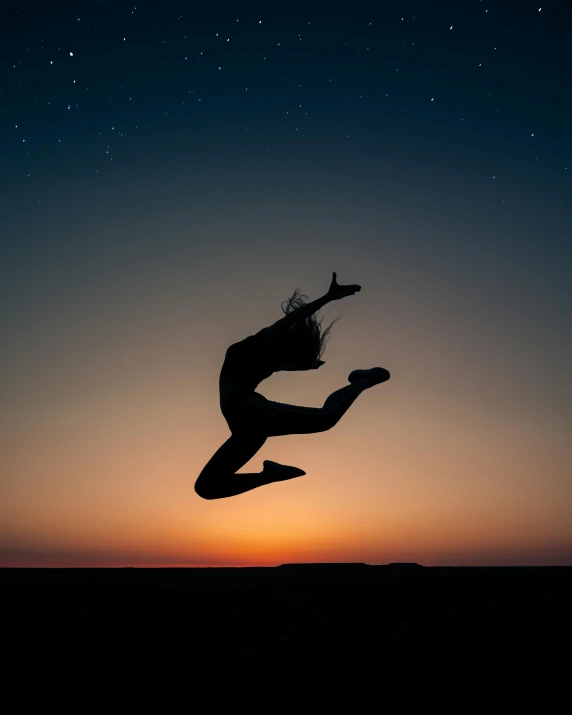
point(299, 314)
point(335, 292)
point(305, 311)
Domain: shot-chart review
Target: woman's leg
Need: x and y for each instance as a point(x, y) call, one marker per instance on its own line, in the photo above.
point(276, 418)
point(258, 419)
point(218, 478)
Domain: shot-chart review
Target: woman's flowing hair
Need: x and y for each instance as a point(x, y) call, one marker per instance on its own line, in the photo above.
point(305, 341)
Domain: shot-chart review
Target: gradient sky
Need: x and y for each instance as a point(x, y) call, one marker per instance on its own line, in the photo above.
point(173, 171)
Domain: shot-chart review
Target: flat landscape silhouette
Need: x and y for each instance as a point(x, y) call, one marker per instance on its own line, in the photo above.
point(309, 615)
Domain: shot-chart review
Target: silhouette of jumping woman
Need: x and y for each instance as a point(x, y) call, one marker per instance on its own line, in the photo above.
point(294, 342)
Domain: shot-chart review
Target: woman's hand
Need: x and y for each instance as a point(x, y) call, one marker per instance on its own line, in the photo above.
point(336, 291)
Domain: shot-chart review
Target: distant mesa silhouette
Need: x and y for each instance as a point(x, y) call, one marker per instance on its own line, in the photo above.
point(354, 565)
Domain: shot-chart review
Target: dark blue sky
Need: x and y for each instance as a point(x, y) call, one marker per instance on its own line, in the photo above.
point(265, 82)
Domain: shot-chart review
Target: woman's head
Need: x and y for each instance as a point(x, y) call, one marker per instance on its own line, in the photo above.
point(304, 343)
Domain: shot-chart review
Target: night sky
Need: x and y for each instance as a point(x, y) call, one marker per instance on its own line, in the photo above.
point(173, 171)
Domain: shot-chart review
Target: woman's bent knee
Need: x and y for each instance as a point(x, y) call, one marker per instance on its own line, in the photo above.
point(203, 490)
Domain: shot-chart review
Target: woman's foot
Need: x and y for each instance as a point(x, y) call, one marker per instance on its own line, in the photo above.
point(369, 377)
point(280, 472)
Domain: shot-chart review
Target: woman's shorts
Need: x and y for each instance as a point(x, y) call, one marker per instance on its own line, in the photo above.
point(240, 413)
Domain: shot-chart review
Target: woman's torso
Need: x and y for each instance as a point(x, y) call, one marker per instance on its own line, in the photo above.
point(246, 364)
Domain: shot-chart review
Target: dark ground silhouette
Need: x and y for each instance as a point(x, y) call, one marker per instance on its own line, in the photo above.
point(307, 616)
